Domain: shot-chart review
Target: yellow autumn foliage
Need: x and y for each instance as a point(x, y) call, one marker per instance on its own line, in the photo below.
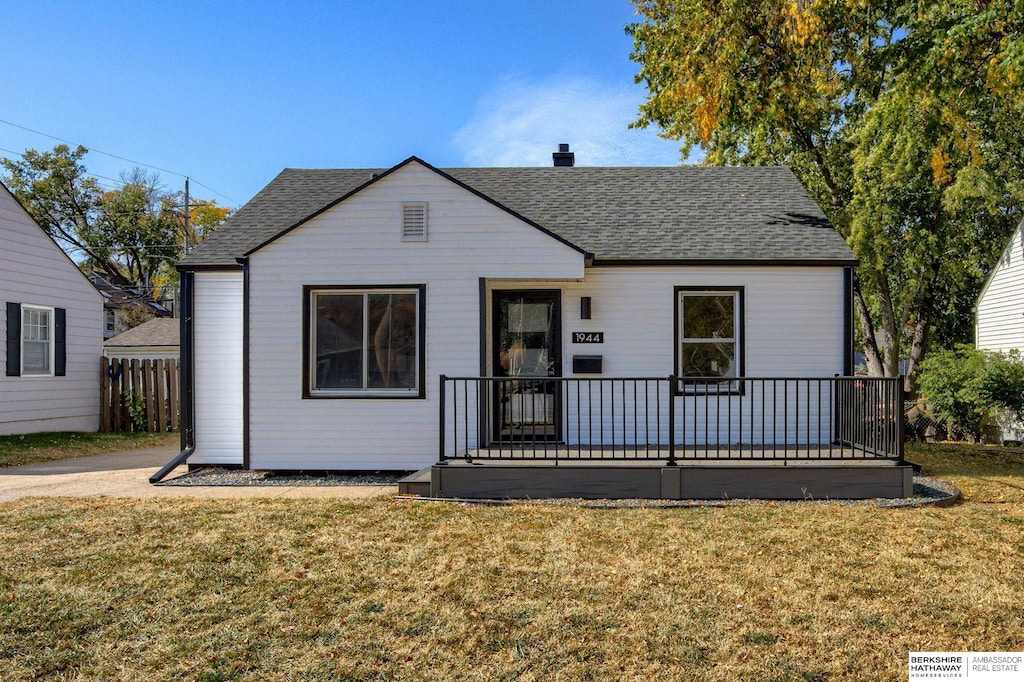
point(940, 167)
point(801, 25)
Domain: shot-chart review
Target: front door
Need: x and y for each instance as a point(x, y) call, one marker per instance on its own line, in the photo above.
point(527, 343)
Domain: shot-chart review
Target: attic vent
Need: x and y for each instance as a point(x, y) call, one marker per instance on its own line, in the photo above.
point(414, 222)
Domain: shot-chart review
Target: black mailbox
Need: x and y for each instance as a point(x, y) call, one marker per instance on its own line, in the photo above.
point(587, 364)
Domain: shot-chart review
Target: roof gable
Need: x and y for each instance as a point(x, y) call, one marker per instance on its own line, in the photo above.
point(1004, 260)
point(617, 215)
point(47, 238)
point(377, 177)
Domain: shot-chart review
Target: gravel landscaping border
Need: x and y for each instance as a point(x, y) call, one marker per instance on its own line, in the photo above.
point(218, 476)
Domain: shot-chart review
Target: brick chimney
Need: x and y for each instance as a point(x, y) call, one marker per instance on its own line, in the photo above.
point(563, 157)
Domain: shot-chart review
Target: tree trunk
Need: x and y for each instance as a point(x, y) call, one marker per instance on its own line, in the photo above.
point(868, 342)
point(924, 317)
point(890, 345)
point(883, 354)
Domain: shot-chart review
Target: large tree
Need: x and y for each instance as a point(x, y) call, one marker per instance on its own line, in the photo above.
point(903, 119)
point(131, 235)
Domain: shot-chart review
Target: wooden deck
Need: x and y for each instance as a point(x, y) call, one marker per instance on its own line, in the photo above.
point(715, 436)
point(796, 473)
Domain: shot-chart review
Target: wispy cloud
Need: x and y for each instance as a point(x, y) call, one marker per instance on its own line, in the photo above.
point(520, 123)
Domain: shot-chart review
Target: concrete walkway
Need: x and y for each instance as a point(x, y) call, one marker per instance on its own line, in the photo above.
point(126, 474)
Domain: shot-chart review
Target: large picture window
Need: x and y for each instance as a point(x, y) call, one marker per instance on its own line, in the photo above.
point(364, 342)
point(36, 341)
point(708, 334)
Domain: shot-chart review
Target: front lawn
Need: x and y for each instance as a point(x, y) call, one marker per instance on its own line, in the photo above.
point(45, 447)
point(984, 473)
point(317, 589)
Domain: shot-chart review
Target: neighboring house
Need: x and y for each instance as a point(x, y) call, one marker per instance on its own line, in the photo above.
point(154, 339)
point(999, 310)
point(116, 299)
point(999, 314)
point(324, 312)
point(53, 318)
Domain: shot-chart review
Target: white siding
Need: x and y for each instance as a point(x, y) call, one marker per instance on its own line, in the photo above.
point(217, 335)
point(359, 242)
point(35, 271)
point(1000, 312)
point(792, 326)
point(793, 317)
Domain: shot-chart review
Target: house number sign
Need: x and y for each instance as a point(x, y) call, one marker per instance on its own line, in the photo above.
point(588, 337)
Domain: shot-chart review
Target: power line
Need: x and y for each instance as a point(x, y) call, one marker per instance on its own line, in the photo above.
point(120, 158)
point(106, 185)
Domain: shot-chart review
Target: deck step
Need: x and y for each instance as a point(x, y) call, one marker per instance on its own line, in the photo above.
point(417, 483)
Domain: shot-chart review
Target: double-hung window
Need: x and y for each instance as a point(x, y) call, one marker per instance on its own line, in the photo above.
point(36, 341)
point(364, 342)
point(708, 335)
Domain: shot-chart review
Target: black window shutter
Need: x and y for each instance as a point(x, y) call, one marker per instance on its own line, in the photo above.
point(60, 335)
point(13, 339)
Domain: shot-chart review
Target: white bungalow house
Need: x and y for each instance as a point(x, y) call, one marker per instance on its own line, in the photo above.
point(54, 330)
point(412, 317)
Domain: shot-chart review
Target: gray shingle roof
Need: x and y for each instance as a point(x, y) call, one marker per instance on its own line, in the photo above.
point(678, 213)
point(159, 331)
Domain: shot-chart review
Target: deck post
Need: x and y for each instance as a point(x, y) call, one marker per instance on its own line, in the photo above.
point(672, 420)
point(901, 433)
point(440, 435)
point(836, 410)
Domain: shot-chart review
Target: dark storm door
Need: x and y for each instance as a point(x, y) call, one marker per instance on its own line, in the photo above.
point(527, 344)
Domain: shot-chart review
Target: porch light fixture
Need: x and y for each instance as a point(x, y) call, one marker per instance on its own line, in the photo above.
point(585, 308)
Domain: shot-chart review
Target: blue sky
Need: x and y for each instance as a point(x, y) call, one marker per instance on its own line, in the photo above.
point(231, 92)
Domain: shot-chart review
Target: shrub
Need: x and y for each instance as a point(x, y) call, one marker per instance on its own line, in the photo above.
point(969, 388)
point(136, 410)
point(950, 382)
point(1003, 382)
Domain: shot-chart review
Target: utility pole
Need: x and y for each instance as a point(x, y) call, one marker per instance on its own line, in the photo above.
point(177, 291)
point(186, 217)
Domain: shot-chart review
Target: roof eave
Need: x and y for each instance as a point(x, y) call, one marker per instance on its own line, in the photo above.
point(200, 267)
point(763, 262)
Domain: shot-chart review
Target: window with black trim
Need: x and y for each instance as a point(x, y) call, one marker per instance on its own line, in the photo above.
point(365, 342)
point(708, 335)
point(36, 340)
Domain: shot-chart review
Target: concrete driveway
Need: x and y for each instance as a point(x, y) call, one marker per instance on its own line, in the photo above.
point(126, 474)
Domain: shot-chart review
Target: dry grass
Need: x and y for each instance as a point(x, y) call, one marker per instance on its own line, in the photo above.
point(270, 589)
point(47, 447)
point(984, 473)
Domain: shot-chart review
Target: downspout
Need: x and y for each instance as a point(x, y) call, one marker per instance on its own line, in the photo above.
point(848, 326)
point(186, 381)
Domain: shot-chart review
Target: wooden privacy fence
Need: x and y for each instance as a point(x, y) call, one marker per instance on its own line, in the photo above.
point(139, 395)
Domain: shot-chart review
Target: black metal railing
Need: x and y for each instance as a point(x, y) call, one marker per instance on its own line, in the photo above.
point(669, 418)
